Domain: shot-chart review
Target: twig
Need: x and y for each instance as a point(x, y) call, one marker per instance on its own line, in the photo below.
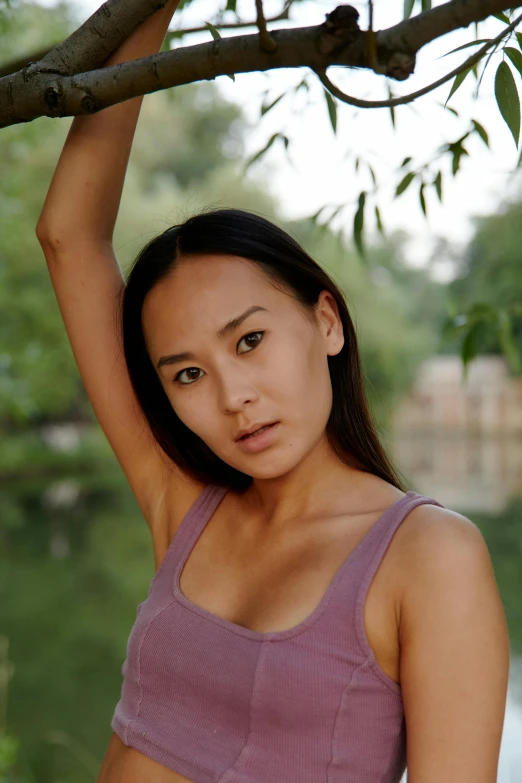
point(370, 41)
point(265, 39)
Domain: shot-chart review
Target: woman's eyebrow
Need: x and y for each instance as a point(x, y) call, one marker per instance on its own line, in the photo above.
point(174, 358)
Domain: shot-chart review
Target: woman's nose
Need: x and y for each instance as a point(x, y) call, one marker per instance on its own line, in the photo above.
point(236, 391)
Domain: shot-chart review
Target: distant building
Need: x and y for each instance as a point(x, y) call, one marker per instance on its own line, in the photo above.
point(461, 442)
point(489, 402)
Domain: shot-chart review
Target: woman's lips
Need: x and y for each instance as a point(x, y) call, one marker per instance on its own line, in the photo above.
point(258, 441)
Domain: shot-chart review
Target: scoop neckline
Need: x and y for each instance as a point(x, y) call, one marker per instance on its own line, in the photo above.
point(288, 632)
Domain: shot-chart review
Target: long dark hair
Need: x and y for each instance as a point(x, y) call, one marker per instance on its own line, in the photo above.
point(350, 429)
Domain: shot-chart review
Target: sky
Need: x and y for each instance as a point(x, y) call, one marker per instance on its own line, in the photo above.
point(319, 167)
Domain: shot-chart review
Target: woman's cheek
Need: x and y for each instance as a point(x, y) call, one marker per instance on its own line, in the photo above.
point(184, 410)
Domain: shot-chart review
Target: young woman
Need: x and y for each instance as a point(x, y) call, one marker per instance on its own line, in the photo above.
point(309, 620)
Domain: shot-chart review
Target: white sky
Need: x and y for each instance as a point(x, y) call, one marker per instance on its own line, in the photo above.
point(320, 173)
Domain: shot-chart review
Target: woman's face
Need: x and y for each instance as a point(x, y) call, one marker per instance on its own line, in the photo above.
point(270, 367)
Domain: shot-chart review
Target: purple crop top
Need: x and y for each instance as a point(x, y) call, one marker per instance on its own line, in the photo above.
point(219, 703)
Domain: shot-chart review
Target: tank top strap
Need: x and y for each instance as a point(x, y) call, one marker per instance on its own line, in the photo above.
point(185, 536)
point(372, 550)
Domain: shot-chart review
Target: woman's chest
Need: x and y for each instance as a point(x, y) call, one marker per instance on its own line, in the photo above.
point(272, 582)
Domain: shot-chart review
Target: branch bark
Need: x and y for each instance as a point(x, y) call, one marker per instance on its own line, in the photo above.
point(98, 37)
point(54, 88)
point(16, 65)
point(403, 99)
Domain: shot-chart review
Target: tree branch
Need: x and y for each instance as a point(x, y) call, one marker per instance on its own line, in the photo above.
point(34, 91)
point(16, 65)
point(469, 63)
point(98, 37)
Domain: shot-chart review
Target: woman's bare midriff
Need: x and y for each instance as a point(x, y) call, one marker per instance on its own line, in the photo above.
point(124, 764)
point(127, 765)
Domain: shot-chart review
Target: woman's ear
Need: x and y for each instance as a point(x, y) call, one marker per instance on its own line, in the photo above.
point(330, 323)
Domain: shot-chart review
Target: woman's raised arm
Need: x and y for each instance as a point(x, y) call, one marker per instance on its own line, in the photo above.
point(75, 231)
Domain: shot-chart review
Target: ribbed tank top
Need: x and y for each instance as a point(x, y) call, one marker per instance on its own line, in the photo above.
point(220, 703)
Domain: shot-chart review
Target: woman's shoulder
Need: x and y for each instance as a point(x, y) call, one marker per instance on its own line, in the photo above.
point(434, 529)
point(437, 550)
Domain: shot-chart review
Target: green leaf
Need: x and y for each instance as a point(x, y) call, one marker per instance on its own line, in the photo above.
point(372, 174)
point(231, 76)
point(481, 132)
point(314, 218)
point(515, 56)
point(392, 109)
point(466, 45)
point(378, 220)
point(502, 18)
point(459, 78)
point(263, 150)
point(481, 312)
point(334, 214)
point(457, 150)
point(438, 185)
point(231, 5)
point(408, 8)
point(332, 110)
point(449, 108)
point(507, 99)
point(519, 39)
point(403, 184)
point(214, 33)
point(422, 199)
point(358, 224)
point(468, 349)
point(507, 341)
point(265, 108)
point(405, 162)
point(426, 5)
point(452, 326)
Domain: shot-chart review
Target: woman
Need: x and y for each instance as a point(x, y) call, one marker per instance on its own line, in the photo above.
point(307, 615)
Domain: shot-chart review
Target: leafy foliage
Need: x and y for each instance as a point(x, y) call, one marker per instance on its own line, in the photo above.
point(486, 311)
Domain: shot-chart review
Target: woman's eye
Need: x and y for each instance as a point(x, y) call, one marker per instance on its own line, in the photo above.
point(190, 371)
point(182, 372)
point(248, 336)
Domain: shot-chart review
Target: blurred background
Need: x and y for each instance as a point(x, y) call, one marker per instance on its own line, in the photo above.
point(75, 553)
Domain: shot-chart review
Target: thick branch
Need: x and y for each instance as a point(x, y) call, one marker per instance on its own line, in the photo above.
point(34, 92)
point(16, 65)
point(98, 37)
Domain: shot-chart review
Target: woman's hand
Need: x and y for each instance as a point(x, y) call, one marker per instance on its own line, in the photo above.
point(85, 191)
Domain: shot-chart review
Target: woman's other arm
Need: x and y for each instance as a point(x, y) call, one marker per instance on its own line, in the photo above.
point(454, 651)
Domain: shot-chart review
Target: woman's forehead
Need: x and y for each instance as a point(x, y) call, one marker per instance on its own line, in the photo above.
point(219, 282)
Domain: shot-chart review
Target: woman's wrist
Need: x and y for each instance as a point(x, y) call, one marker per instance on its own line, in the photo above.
point(147, 38)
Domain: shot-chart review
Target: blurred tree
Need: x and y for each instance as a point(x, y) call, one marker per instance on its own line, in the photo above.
point(489, 283)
